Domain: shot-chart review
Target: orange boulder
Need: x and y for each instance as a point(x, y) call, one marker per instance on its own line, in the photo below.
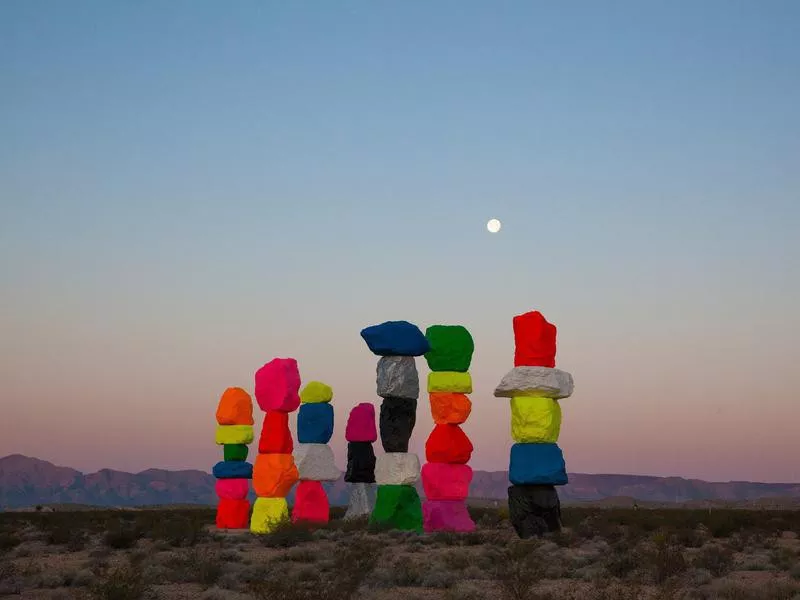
point(235, 407)
point(449, 408)
point(274, 475)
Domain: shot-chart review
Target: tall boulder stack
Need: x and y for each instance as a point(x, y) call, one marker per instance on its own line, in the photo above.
point(360, 435)
point(233, 473)
point(278, 394)
point(535, 387)
point(313, 455)
point(446, 477)
point(397, 503)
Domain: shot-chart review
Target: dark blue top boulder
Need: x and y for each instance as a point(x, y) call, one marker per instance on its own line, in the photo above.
point(233, 469)
point(395, 338)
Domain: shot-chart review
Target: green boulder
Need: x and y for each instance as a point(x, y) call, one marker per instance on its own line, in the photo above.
point(399, 507)
point(235, 451)
point(451, 348)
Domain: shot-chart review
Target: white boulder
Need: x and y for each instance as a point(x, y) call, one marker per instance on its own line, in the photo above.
point(542, 382)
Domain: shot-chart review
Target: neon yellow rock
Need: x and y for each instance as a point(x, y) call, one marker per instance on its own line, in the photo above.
point(450, 381)
point(234, 434)
point(268, 514)
point(535, 420)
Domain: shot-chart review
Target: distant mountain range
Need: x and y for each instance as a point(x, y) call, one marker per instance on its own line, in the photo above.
point(26, 482)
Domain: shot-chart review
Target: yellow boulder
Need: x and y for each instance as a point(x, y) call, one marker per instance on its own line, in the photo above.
point(316, 391)
point(268, 514)
point(234, 434)
point(450, 381)
point(535, 420)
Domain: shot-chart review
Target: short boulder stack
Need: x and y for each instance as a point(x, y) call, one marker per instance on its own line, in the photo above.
point(360, 435)
point(446, 477)
point(277, 391)
point(535, 387)
point(234, 433)
point(397, 502)
point(313, 455)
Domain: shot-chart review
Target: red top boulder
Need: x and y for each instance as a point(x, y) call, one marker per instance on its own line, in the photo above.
point(535, 341)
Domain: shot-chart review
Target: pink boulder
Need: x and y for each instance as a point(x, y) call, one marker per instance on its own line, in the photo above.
point(446, 482)
point(361, 424)
point(278, 385)
point(310, 503)
point(446, 515)
point(233, 489)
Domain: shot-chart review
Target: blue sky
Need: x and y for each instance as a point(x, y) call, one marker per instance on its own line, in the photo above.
point(188, 189)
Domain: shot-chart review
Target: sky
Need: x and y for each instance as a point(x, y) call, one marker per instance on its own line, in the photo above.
point(191, 188)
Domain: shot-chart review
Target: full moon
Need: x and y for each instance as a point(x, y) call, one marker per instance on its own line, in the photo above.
point(493, 226)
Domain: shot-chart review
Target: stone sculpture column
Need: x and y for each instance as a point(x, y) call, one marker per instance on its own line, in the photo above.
point(313, 455)
point(446, 477)
point(537, 465)
point(397, 343)
point(360, 434)
point(274, 473)
point(233, 473)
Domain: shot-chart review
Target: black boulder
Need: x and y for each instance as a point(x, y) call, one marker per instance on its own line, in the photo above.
point(398, 417)
point(534, 509)
point(360, 463)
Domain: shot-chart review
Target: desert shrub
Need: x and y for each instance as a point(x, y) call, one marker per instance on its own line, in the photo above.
point(622, 560)
point(287, 535)
point(177, 532)
point(8, 541)
point(121, 583)
point(121, 537)
point(456, 559)
point(665, 559)
point(302, 554)
point(520, 569)
point(717, 559)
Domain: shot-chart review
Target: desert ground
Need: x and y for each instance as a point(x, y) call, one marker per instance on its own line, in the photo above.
point(601, 554)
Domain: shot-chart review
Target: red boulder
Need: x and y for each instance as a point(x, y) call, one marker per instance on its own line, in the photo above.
point(448, 444)
point(233, 514)
point(310, 503)
point(535, 341)
point(276, 437)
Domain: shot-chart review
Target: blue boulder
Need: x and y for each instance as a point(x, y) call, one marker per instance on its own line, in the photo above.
point(541, 464)
point(395, 338)
point(233, 469)
point(315, 423)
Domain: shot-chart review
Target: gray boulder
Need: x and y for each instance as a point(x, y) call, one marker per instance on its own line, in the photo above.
point(315, 462)
point(362, 501)
point(397, 468)
point(398, 377)
point(543, 382)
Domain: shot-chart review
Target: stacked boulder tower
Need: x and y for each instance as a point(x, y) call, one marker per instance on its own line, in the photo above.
point(537, 465)
point(360, 435)
point(313, 455)
point(233, 473)
point(446, 477)
point(397, 503)
point(277, 392)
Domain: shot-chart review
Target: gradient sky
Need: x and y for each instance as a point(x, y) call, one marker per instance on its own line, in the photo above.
point(189, 189)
